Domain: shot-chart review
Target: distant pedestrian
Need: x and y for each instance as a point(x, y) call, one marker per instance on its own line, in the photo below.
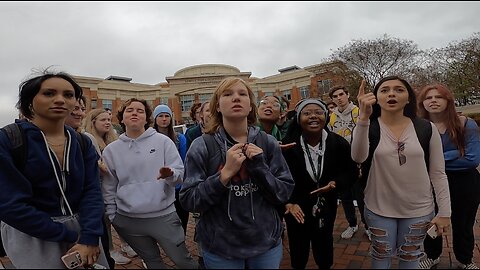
point(191, 135)
point(343, 119)
point(98, 126)
point(163, 123)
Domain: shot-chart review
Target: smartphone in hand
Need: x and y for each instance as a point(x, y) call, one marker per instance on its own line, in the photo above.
point(72, 260)
point(432, 231)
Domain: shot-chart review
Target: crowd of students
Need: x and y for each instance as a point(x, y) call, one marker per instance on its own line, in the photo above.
point(244, 170)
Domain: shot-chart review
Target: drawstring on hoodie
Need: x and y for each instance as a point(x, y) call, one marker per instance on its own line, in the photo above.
point(66, 169)
point(230, 190)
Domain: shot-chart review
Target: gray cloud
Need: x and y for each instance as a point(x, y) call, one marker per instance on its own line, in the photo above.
point(148, 41)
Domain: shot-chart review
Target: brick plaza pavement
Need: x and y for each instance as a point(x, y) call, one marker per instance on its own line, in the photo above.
point(348, 254)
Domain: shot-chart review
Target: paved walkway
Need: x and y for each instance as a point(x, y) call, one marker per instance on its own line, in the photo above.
point(348, 254)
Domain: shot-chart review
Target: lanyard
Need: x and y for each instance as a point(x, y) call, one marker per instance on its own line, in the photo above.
point(320, 162)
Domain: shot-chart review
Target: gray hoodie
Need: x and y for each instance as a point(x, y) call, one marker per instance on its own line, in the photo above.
point(131, 187)
point(240, 220)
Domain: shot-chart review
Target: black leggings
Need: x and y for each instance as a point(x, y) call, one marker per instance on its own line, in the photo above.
point(464, 197)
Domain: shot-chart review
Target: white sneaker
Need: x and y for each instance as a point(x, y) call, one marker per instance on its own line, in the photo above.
point(119, 258)
point(348, 233)
point(129, 251)
point(469, 266)
point(428, 263)
point(369, 234)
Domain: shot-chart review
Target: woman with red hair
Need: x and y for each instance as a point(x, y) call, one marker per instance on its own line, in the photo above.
point(461, 149)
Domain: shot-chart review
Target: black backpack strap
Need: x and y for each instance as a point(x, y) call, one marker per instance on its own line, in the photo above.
point(373, 139)
point(212, 148)
point(423, 128)
point(16, 136)
point(83, 144)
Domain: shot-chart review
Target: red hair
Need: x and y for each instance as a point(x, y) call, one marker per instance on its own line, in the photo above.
point(452, 122)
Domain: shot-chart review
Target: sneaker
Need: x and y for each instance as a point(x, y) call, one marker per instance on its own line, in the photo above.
point(129, 251)
point(428, 263)
point(469, 266)
point(369, 234)
point(348, 233)
point(119, 258)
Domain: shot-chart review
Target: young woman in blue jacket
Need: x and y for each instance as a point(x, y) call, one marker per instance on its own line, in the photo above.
point(53, 205)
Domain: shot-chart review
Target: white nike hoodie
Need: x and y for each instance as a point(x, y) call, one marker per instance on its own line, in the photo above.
point(131, 187)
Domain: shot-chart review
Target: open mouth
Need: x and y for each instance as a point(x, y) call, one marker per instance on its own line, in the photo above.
point(392, 102)
point(268, 112)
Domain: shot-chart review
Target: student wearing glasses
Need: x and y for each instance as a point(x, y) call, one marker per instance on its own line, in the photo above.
point(269, 110)
point(399, 201)
point(461, 150)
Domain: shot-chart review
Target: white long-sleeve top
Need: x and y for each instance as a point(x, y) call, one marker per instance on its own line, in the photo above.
point(402, 191)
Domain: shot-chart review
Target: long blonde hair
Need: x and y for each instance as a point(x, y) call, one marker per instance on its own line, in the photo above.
point(89, 126)
point(216, 119)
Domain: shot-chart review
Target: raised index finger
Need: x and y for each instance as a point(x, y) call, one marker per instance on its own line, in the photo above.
point(361, 89)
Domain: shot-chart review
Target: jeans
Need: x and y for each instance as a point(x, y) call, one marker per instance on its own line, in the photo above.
point(401, 237)
point(269, 260)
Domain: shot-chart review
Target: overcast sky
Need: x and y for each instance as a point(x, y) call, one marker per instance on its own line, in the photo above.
point(148, 41)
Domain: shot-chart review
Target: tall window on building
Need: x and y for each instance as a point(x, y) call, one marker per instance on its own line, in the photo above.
point(107, 103)
point(287, 94)
point(304, 92)
point(323, 86)
point(186, 102)
point(94, 104)
point(204, 97)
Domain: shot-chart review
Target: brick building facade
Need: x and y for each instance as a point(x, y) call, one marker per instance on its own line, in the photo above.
point(197, 83)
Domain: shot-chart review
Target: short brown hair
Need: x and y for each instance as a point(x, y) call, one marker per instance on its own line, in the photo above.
point(148, 112)
point(335, 88)
point(193, 111)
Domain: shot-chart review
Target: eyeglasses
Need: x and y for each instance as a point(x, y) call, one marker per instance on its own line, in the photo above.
point(316, 112)
point(402, 159)
point(274, 104)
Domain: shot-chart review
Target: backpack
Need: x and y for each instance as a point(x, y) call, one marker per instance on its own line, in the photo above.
point(423, 129)
point(16, 135)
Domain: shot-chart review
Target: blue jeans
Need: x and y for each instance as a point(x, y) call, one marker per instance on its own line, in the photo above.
point(268, 260)
point(401, 237)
